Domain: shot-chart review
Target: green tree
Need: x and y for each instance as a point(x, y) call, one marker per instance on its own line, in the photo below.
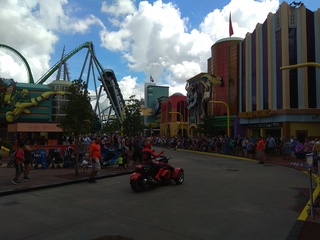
point(207, 126)
point(111, 126)
point(80, 118)
point(132, 124)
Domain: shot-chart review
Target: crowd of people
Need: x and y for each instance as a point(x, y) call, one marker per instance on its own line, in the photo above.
point(129, 149)
point(293, 149)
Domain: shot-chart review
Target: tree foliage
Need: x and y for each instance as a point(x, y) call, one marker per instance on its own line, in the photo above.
point(80, 118)
point(207, 126)
point(111, 126)
point(133, 124)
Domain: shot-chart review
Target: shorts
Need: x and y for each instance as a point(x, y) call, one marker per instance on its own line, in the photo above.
point(260, 153)
point(95, 164)
point(251, 151)
point(18, 167)
point(27, 161)
point(300, 156)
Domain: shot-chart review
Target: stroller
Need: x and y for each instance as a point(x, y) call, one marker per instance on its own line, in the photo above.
point(39, 158)
point(109, 157)
point(69, 160)
point(55, 158)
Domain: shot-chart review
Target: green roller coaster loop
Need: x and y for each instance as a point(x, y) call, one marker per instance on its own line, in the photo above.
point(106, 76)
point(22, 58)
point(65, 58)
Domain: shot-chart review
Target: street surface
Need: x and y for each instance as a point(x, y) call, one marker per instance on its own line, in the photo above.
point(221, 198)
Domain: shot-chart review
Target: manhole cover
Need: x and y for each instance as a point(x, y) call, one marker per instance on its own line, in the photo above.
point(232, 170)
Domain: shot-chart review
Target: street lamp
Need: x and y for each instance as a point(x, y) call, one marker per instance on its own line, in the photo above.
point(228, 115)
point(181, 120)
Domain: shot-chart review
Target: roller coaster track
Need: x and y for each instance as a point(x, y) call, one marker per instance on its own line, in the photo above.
point(106, 76)
point(23, 60)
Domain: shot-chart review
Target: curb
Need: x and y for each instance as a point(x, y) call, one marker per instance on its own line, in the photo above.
point(69, 182)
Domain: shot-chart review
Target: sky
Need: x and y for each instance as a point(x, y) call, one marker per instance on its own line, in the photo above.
point(168, 40)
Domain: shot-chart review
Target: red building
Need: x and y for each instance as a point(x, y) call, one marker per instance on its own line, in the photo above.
point(174, 116)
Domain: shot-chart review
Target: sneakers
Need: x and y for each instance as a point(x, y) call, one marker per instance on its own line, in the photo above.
point(26, 179)
point(15, 181)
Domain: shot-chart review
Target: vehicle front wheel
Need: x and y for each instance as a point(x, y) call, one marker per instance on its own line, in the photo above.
point(137, 186)
point(180, 178)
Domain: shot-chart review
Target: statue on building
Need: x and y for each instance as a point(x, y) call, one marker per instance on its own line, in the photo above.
point(208, 81)
point(192, 95)
point(16, 102)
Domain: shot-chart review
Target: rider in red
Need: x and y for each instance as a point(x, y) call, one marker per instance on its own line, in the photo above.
point(147, 155)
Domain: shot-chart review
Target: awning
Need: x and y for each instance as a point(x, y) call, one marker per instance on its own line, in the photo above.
point(34, 127)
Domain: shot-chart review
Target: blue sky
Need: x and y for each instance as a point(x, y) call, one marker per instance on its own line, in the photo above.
point(169, 40)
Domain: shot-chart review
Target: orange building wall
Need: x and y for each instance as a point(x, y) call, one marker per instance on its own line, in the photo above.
point(226, 54)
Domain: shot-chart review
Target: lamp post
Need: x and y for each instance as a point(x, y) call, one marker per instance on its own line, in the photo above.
point(228, 114)
point(181, 120)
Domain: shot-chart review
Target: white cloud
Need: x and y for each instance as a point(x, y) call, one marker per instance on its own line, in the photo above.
point(129, 87)
point(155, 39)
point(33, 28)
point(119, 8)
point(151, 38)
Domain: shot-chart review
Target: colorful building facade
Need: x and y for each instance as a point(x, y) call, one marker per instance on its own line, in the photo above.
point(174, 116)
point(270, 80)
point(31, 111)
point(279, 78)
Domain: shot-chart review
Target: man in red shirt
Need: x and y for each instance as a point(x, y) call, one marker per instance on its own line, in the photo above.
point(18, 163)
point(147, 155)
point(95, 157)
point(260, 150)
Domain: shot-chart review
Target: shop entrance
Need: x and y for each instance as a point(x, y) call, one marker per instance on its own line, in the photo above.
point(273, 132)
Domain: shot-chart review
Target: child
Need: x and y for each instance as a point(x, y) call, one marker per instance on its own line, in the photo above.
point(120, 163)
point(125, 156)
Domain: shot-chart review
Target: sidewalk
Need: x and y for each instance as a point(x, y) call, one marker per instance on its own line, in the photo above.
point(46, 178)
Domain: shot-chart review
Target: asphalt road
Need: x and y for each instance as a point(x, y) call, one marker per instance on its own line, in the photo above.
point(221, 198)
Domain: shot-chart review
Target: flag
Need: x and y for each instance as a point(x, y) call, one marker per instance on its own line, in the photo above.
point(230, 26)
point(151, 79)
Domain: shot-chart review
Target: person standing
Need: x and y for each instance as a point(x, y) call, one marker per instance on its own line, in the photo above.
point(316, 150)
point(300, 154)
point(18, 163)
point(245, 142)
point(95, 157)
point(260, 150)
point(27, 160)
point(251, 147)
point(0, 151)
